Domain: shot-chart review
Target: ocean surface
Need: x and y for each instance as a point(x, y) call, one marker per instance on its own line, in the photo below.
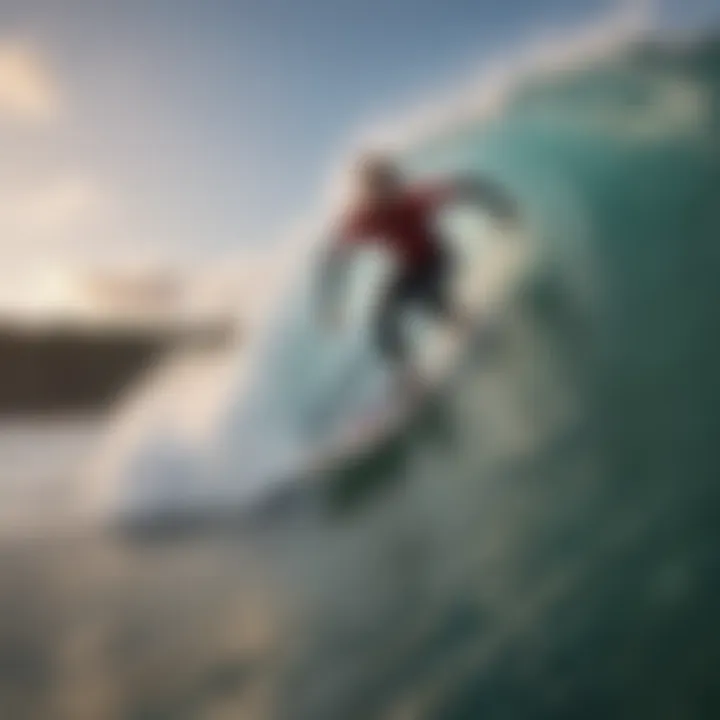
point(540, 542)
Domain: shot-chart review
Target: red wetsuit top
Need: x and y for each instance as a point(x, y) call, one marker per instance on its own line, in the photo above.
point(405, 225)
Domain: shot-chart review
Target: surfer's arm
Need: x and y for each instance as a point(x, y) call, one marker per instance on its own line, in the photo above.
point(352, 230)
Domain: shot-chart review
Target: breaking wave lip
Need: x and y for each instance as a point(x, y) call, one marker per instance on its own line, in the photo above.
point(549, 54)
point(543, 53)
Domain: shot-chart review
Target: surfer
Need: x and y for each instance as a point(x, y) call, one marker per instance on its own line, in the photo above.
point(401, 216)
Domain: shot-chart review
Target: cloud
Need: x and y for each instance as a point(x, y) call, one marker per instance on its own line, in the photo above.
point(57, 214)
point(28, 91)
point(60, 206)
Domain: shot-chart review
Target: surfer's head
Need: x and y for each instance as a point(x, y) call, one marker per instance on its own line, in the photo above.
point(378, 177)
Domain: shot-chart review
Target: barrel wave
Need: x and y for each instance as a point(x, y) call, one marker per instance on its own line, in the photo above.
point(540, 542)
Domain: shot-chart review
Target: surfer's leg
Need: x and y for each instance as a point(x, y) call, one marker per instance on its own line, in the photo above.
point(434, 293)
point(389, 336)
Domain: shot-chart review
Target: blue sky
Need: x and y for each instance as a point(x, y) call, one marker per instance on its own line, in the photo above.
point(188, 126)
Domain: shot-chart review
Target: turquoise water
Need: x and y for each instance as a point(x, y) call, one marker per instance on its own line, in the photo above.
point(541, 542)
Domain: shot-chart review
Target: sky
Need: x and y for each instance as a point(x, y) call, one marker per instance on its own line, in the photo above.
point(185, 130)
